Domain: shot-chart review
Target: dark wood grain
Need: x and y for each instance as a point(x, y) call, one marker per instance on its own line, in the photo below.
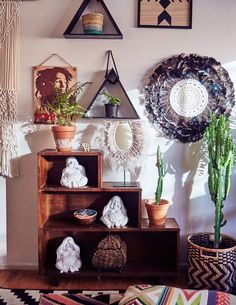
point(152, 250)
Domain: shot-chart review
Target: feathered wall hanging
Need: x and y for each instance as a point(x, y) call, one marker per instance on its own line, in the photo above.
point(182, 93)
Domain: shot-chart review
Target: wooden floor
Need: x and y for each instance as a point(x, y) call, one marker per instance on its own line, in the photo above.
point(31, 280)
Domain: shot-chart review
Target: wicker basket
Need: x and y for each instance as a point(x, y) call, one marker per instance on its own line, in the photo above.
point(111, 254)
point(211, 268)
point(93, 23)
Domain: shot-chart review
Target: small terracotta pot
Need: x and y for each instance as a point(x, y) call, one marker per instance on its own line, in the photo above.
point(157, 212)
point(63, 136)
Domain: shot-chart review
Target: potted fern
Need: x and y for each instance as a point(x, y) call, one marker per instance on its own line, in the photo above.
point(214, 254)
point(112, 105)
point(66, 107)
point(157, 209)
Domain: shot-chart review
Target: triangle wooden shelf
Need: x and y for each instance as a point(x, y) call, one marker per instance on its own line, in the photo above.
point(70, 32)
point(127, 110)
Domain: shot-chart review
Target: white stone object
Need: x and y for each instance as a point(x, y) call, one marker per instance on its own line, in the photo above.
point(68, 256)
point(114, 213)
point(73, 175)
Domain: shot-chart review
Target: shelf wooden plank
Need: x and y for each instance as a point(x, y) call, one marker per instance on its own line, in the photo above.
point(170, 225)
point(55, 153)
point(106, 187)
point(130, 270)
point(86, 36)
point(62, 189)
point(70, 224)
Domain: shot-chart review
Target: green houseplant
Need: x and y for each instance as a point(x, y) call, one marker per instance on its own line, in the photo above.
point(66, 107)
point(112, 106)
point(217, 252)
point(157, 209)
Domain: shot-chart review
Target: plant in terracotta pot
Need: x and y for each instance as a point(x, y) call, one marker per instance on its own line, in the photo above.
point(214, 254)
point(112, 106)
point(157, 209)
point(66, 107)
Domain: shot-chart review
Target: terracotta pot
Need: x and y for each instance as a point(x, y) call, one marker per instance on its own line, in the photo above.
point(157, 212)
point(63, 136)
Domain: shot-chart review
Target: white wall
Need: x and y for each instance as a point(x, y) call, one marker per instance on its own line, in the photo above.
point(43, 23)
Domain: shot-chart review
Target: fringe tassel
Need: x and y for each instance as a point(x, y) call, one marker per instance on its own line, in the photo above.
point(8, 146)
point(9, 52)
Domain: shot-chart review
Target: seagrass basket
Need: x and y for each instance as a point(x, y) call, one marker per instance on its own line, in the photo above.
point(211, 268)
point(93, 23)
point(111, 254)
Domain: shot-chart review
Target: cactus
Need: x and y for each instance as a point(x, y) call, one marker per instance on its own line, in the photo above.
point(162, 170)
point(221, 153)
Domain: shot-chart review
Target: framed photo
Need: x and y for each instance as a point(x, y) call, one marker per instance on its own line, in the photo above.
point(45, 80)
point(165, 13)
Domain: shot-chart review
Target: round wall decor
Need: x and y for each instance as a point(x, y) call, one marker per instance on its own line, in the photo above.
point(184, 91)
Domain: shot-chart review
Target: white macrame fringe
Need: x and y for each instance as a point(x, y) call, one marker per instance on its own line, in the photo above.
point(117, 159)
point(9, 52)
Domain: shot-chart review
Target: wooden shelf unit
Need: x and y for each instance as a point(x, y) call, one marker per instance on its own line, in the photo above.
point(152, 251)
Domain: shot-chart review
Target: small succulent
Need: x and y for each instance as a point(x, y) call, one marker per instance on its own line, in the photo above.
point(112, 100)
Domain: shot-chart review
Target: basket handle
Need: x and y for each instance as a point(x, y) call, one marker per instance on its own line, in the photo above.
point(207, 254)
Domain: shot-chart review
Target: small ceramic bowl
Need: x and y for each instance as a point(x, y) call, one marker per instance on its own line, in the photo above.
point(85, 216)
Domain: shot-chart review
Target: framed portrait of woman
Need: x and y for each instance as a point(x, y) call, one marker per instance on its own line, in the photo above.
point(46, 81)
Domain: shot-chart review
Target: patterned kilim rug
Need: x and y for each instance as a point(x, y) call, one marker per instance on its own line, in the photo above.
point(32, 297)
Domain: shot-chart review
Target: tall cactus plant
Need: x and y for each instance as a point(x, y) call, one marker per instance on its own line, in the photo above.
point(221, 155)
point(162, 170)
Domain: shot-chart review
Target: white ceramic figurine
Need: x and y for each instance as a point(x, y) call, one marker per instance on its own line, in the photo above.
point(114, 213)
point(73, 175)
point(68, 256)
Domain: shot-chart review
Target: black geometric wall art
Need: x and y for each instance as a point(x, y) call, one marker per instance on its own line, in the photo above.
point(75, 28)
point(165, 13)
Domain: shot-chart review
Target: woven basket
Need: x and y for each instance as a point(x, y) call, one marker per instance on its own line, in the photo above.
point(93, 23)
point(111, 254)
point(211, 268)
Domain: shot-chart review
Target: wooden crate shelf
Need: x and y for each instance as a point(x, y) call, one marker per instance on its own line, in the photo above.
point(152, 251)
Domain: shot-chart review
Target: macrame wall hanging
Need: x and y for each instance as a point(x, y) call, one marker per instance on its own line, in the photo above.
point(182, 93)
point(9, 52)
point(123, 146)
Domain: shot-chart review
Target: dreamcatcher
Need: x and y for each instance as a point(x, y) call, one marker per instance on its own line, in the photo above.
point(182, 93)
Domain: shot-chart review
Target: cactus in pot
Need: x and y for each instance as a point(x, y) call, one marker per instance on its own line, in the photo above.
point(157, 209)
point(221, 153)
point(162, 170)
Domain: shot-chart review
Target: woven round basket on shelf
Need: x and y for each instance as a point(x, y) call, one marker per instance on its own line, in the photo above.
point(93, 23)
point(211, 268)
point(111, 254)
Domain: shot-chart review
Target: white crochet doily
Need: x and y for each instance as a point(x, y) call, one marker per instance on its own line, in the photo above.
point(188, 97)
